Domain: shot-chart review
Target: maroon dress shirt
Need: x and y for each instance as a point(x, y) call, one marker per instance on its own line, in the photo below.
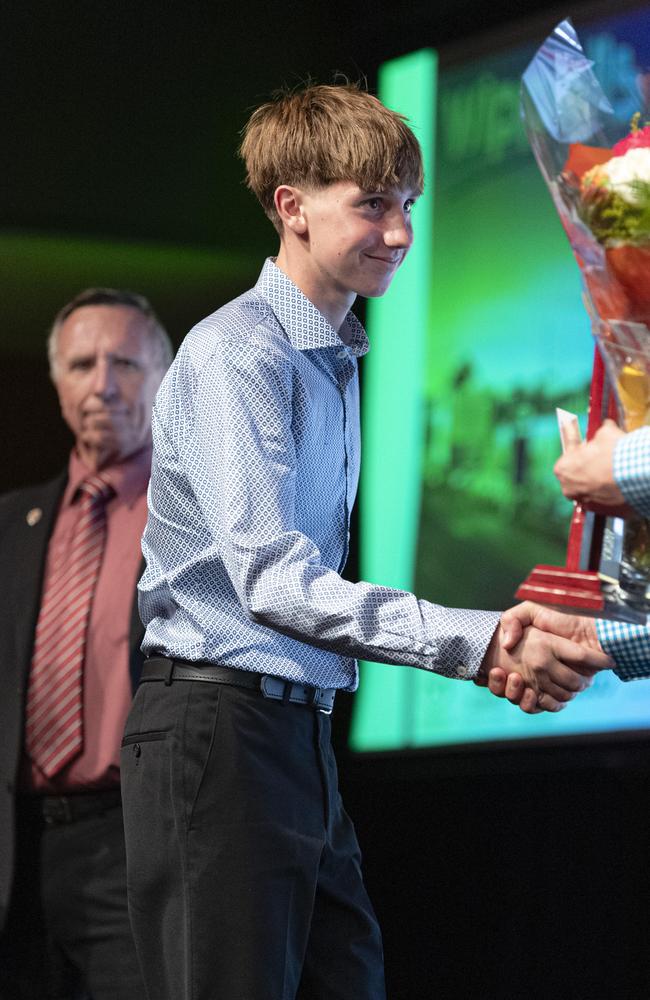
point(106, 681)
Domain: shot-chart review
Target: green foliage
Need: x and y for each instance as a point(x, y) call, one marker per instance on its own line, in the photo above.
point(612, 219)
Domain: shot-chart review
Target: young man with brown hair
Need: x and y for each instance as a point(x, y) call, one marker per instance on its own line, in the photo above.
point(244, 870)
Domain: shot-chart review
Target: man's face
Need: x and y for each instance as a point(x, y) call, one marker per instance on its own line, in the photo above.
point(357, 239)
point(106, 374)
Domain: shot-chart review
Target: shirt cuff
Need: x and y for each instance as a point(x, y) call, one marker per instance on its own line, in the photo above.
point(458, 638)
point(632, 469)
point(629, 647)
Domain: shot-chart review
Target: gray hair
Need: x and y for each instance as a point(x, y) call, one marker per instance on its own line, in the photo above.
point(112, 297)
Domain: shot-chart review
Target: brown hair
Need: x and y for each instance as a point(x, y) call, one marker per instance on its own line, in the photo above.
point(323, 134)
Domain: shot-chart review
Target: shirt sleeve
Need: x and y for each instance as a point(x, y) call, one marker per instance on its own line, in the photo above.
point(629, 647)
point(242, 465)
point(632, 469)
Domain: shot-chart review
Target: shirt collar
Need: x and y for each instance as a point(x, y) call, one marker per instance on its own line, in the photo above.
point(129, 478)
point(306, 328)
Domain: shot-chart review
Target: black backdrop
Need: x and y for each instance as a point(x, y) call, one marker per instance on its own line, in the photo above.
point(507, 873)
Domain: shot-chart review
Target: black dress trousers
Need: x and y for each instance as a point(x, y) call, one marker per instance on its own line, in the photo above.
point(243, 868)
point(68, 935)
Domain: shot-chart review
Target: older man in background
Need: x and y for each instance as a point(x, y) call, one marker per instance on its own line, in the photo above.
point(71, 639)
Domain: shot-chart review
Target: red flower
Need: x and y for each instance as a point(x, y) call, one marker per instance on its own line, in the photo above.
point(637, 138)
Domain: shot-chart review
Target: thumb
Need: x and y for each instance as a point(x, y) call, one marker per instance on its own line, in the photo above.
point(513, 623)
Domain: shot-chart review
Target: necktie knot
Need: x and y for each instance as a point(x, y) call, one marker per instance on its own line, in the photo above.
point(96, 489)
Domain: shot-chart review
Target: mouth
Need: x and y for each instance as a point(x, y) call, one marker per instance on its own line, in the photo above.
point(388, 261)
point(103, 419)
point(104, 413)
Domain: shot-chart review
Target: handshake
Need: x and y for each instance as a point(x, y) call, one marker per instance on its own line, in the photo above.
point(540, 658)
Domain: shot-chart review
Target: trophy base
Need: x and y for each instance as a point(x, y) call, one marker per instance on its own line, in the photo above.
point(580, 591)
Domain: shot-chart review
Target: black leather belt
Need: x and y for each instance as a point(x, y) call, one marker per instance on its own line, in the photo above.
point(162, 668)
point(59, 809)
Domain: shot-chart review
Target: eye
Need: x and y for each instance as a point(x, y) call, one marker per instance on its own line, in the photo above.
point(126, 364)
point(374, 204)
point(408, 205)
point(81, 364)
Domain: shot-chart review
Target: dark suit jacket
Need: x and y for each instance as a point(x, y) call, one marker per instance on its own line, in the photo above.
point(23, 548)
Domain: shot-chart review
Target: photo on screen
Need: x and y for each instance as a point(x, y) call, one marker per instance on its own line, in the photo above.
point(469, 438)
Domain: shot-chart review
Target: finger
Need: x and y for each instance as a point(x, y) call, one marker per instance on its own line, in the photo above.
point(528, 702)
point(515, 688)
point(512, 634)
point(514, 621)
point(548, 704)
point(546, 672)
point(580, 658)
point(555, 691)
point(497, 681)
point(560, 623)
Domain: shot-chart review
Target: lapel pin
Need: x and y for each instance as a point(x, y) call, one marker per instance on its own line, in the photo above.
point(33, 516)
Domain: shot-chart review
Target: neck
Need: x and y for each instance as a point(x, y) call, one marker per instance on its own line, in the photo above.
point(334, 303)
point(92, 458)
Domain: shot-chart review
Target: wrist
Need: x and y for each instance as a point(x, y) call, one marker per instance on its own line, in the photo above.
point(490, 657)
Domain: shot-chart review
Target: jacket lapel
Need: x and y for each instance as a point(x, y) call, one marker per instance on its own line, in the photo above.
point(34, 523)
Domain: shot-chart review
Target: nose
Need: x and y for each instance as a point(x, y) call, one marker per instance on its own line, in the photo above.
point(104, 382)
point(399, 233)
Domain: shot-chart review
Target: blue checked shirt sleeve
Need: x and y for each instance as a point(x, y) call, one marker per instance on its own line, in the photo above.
point(629, 645)
point(241, 462)
point(632, 469)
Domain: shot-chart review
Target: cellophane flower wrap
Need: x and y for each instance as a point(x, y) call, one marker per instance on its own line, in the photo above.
point(599, 180)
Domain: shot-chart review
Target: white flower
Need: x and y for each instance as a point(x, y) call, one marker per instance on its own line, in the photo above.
point(621, 171)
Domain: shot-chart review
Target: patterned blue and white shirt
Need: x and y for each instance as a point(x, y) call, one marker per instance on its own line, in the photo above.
point(255, 470)
point(629, 645)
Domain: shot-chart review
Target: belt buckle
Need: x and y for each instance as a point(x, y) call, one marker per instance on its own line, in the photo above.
point(316, 694)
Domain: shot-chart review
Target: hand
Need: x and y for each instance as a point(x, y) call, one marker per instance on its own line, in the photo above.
point(586, 471)
point(578, 628)
point(575, 628)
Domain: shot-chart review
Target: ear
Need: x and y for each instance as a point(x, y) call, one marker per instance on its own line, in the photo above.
point(289, 206)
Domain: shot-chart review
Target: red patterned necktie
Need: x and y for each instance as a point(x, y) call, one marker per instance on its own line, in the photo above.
point(54, 723)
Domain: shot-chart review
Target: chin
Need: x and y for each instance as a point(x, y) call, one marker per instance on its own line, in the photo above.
point(375, 291)
point(108, 448)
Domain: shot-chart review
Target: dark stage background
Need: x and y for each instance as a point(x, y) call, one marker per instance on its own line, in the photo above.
point(498, 874)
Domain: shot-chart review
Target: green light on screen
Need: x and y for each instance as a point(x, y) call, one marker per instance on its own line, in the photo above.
point(392, 417)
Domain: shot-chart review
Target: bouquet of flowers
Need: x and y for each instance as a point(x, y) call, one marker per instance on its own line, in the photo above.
point(600, 184)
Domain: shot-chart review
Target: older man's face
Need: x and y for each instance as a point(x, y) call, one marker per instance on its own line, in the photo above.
point(107, 371)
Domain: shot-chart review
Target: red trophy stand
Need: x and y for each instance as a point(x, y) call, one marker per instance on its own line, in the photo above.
point(579, 586)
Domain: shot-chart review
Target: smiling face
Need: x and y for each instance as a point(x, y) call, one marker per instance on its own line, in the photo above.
point(341, 241)
point(107, 371)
